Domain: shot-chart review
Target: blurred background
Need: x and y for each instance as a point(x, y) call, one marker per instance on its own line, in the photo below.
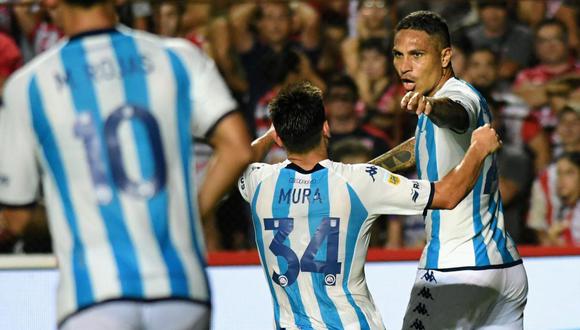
point(521, 55)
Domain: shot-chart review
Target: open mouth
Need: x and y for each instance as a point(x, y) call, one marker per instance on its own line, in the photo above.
point(408, 84)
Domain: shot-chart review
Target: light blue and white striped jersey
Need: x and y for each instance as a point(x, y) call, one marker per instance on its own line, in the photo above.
point(312, 230)
point(110, 116)
point(472, 234)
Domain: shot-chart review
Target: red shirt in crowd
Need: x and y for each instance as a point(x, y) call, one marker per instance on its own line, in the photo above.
point(10, 56)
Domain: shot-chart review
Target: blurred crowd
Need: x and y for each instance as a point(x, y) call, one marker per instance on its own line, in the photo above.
point(521, 55)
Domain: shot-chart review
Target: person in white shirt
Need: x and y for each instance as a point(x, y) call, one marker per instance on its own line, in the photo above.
point(470, 273)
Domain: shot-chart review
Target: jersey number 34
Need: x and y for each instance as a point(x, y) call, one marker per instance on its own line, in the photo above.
point(327, 230)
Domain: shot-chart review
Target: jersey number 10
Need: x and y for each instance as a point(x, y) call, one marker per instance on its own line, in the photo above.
point(328, 229)
point(87, 130)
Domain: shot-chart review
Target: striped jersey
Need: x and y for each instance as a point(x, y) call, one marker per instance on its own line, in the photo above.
point(110, 116)
point(312, 231)
point(472, 234)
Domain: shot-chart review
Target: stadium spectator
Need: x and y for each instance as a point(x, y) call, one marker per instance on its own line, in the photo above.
point(38, 25)
point(111, 114)
point(260, 30)
point(136, 14)
point(340, 101)
point(513, 42)
point(517, 126)
point(374, 19)
point(456, 256)
point(555, 213)
point(545, 204)
point(315, 214)
point(10, 59)
point(568, 131)
point(553, 53)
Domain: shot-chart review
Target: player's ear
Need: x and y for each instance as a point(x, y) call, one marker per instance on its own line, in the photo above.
point(446, 57)
point(326, 129)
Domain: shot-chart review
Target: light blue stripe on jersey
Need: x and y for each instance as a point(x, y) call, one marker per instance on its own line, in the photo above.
point(82, 280)
point(432, 175)
point(358, 215)
point(75, 63)
point(260, 244)
point(282, 210)
point(184, 113)
point(480, 250)
point(498, 235)
point(417, 145)
point(316, 212)
point(481, 257)
point(137, 94)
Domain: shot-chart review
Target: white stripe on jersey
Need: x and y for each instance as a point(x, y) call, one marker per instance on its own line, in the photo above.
point(462, 237)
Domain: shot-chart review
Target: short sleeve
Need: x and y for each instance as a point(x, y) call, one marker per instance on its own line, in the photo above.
point(383, 192)
point(209, 95)
point(249, 180)
point(19, 177)
point(464, 96)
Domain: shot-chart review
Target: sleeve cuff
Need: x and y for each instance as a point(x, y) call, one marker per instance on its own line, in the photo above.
point(430, 201)
point(211, 130)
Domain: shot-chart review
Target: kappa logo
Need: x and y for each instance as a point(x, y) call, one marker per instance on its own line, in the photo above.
point(372, 171)
point(429, 276)
point(425, 293)
point(417, 324)
point(4, 179)
point(421, 309)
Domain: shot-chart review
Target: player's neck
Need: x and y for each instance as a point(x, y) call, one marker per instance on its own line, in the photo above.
point(76, 20)
point(308, 160)
point(447, 74)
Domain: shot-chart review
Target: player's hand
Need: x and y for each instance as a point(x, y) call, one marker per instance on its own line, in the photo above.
point(486, 139)
point(417, 103)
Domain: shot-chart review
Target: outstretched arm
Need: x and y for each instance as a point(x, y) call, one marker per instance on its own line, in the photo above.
point(442, 111)
point(459, 182)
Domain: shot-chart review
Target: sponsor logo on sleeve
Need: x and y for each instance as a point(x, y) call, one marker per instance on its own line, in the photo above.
point(415, 191)
point(393, 179)
point(372, 171)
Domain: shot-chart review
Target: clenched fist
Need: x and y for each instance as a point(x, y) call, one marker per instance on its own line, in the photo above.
point(486, 139)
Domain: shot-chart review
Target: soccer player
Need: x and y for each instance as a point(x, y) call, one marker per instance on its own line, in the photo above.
point(312, 217)
point(110, 114)
point(470, 274)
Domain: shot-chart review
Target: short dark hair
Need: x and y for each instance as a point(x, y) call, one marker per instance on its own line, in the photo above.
point(297, 113)
point(484, 49)
point(492, 3)
point(428, 22)
point(573, 157)
point(557, 22)
point(86, 3)
point(342, 81)
point(378, 44)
